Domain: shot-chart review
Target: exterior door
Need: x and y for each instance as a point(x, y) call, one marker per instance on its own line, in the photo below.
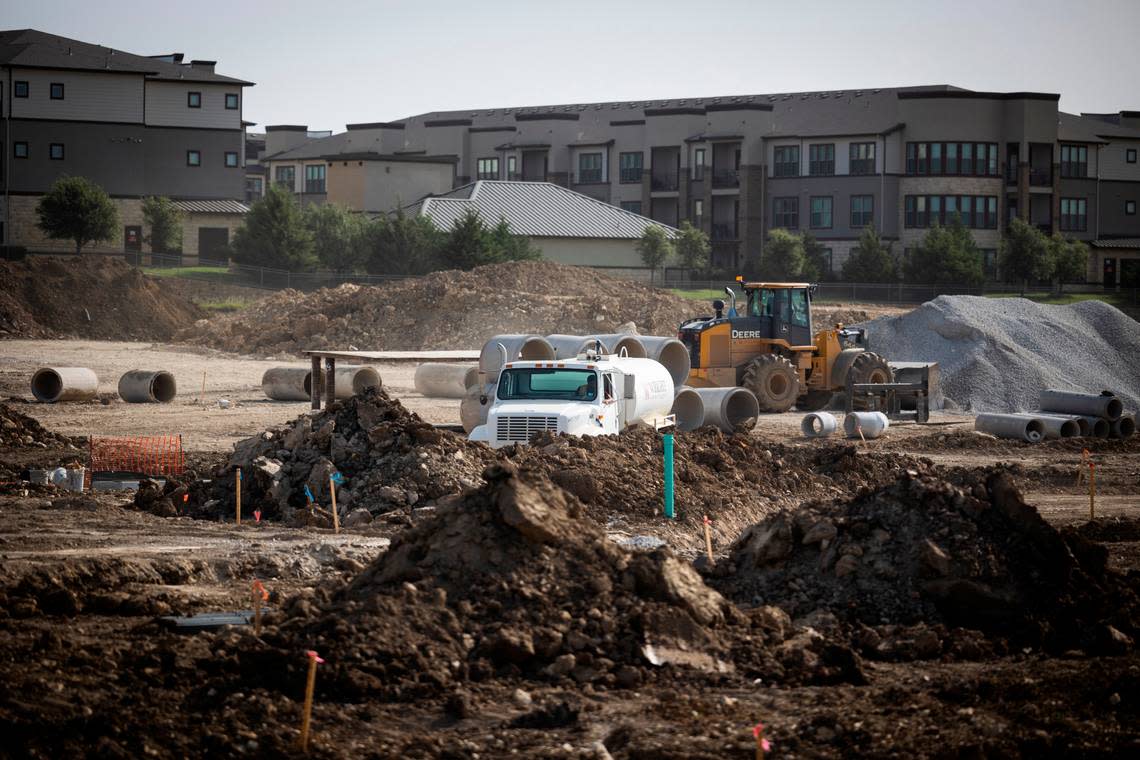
point(1109, 273)
point(132, 243)
point(213, 243)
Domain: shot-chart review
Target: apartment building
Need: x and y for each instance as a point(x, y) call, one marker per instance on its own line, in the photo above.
point(136, 125)
point(898, 159)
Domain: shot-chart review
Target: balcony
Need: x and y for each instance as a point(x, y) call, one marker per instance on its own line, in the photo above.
point(724, 232)
point(664, 181)
point(725, 178)
point(1041, 177)
point(630, 174)
point(1011, 171)
point(589, 177)
point(1046, 227)
point(515, 176)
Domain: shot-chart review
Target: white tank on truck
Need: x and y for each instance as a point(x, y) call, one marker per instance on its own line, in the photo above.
point(593, 394)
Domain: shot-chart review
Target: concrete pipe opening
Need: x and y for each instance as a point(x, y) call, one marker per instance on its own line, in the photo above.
point(1125, 427)
point(1055, 426)
point(614, 343)
point(570, 346)
point(445, 380)
point(52, 384)
point(688, 408)
point(1098, 426)
point(670, 352)
point(819, 424)
point(730, 409)
point(1013, 426)
point(141, 386)
point(352, 381)
point(515, 347)
point(867, 425)
point(287, 383)
point(475, 405)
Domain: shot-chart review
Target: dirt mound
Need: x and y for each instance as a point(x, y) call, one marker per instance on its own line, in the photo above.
point(96, 297)
point(446, 310)
point(18, 430)
point(25, 442)
point(924, 551)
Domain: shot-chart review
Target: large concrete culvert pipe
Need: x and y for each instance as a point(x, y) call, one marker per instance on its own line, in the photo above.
point(52, 384)
point(475, 405)
point(689, 409)
point(1029, 429)
point(286, 383)
point(671, 353)
point(525, 347)
point(140, 386)
point(1103, 405)
point(1056, 427)
point(1098, 427)
point(570, 346)
point(445, 380)
point(615, 343)
point(819, 424)
point(354, 380)
point(1123, 428)
point(867, 425)
point(730, 409)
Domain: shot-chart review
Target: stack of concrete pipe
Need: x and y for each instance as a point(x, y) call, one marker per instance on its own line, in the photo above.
point(863, 425)
point(1063, 414)
point(295, 383)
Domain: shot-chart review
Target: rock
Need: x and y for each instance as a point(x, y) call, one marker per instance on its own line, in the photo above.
point(541, 518)
point(846, 565)
point(628, 677)
point(357, 518)
point(508, 645)
point(824, 530)
point(681, 584)
point(764, 543)
point(561, 666)
point(1110, 640)
point(934, 560)
point(521, 698)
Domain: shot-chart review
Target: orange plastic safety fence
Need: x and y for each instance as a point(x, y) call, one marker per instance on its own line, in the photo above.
point(159, 455)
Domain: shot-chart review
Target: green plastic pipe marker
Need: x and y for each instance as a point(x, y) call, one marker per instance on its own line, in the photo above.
point(669, 475)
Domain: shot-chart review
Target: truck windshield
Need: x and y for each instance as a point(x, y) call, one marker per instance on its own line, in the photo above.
point(547, 384)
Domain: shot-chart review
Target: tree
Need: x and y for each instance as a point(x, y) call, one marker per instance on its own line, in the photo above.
point(339, 237)
point(467, 243)
point(692, 247)
point(1024, 253)
point(655, 248)
point(817, 264)
point(165, 223)
point(1068, 260)
point(946, 255)
point(870, 260)
point(77, 209)
point(402, 244)
point(507, 246)
point(274, 234)
point(784, 256)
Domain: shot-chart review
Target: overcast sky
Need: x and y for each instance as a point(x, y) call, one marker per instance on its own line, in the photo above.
point(329, 63)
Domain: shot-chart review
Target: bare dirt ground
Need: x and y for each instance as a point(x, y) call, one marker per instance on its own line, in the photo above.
point(89, 673)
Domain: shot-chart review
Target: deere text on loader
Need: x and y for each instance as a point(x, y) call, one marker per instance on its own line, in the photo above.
point(770, 349)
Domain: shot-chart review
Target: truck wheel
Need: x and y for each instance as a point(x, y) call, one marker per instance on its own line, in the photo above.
point(870, 367)
point(813, 401)
point(774, 382)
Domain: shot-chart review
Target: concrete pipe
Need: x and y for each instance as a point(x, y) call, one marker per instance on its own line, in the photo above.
point(286, 383)
point(1099, 427)
point(1124, 427)
point(1056, 427)
point(615, 342)
point(819, 424)
point(52, 384)
point(1103, 405)
point(141, 386)
point(475, 405)
point(688, 408)
point(352, 381)
point(527, 347)
point(445, 380)
point(1011, 426)
point(671, 353)
point(870, 424)
point(730, 409)
point(570, 346)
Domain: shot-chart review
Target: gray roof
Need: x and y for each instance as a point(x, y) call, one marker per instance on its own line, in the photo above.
point(30, 48)
point(537, 209)
point(1091, 129)
point(1116, 243)
point(212, 207)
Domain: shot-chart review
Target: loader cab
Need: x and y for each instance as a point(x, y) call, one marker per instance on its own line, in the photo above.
point(776, 311)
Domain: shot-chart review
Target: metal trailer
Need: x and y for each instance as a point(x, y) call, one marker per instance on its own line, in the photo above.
point(898, 400)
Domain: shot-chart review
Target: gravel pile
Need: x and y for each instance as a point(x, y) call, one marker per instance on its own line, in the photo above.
point(998, 354)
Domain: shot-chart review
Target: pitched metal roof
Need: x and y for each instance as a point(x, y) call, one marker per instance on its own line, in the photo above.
point(31, 48)
point(537, 209)
point(1116, 243)
point(212, 207)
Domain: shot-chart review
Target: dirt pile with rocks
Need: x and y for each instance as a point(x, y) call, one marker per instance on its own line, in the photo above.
point(94, 297)
point(18, 430)
point(913, 567)
point(446, 310)
point(24, 443)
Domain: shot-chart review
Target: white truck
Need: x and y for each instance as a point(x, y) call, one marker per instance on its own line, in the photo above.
point(593, 394)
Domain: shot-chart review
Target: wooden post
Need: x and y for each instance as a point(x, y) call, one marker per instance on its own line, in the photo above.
point(260, 596)
point(1092, 491)
point(330, 381)
point(307, 709)
point(202, 395)
point(708, 539)
point(237, 491)
point(315, 382)
point(332, 493)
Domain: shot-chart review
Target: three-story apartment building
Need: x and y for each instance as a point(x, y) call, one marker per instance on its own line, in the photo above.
point(135, 125)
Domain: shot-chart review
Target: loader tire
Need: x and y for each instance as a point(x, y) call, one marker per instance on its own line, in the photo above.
point(813, 401)
point(870, 367)
point(774, 382)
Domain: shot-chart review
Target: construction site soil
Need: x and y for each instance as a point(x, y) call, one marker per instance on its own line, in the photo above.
point(863, 600)
point(88, 297)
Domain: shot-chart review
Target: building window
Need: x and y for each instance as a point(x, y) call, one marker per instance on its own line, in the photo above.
point(910, 218)
point(829, 259)
point(231, 101)
point(633, 207)
point(935, 151)
point(193, 158)
point(699, 163)
point(315, 178)
point(698, 211)
point(1130, 155)
point(487, 168)
point(193, 100)
point(512, 167)
point(56, 90)
point(252, 189)
point(821, 159)
point(821, 212)
point(1074, 214)
point(862, 158)
point(786, 213)
point(589, 167)
point(20, 150)
point(989, 262)
point(938, 158)
point(55, 151)
point(1130, 208)
point(285, 176)
point(630, 165)
point(1074, 161)
point(862, 210)
point(951, 158)
point(231, 158)
point(20, 89)
point(975, 211)
point(787, 161)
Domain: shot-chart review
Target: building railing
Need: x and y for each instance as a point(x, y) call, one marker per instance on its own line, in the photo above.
point(1011, 172)
point(1041, 177)
point(588, 176)
point(724, 232)
point(630, 174)
point(664, 181)
point(725, 178)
